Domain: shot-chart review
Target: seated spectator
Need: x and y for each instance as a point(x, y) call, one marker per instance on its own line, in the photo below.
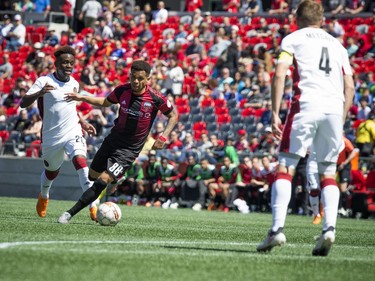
point(33, 131)
point(241, 144)
point(132, 31)
point(132, 187)
point(207, 182)
point(150, 179)
point(265, 118)
point(364, 109)
point(16, 35)
point(230, 151)
point(197, 17)
point(225, 78)
point(144, 36)
point(21, 124)
point(5, 28)
point(370, 52)
point(6, 68)
point(278, 7)
point(118, 51)
point(51, 38)
point(168, 179)
point(195, 47)
point(161, 14)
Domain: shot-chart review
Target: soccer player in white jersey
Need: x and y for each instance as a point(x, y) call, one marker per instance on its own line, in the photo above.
point(62, 127)
point(323, 92)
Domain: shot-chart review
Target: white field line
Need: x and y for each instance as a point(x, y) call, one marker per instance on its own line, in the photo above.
point(6, 245)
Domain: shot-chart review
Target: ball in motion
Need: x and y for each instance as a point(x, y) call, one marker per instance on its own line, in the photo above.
point(109, 214)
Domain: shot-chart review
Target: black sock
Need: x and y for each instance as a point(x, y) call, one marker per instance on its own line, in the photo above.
point(87, 197)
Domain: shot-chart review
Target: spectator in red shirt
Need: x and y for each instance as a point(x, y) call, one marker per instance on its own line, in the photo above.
point(191, 5)
point(174, 142)
point(231, 6)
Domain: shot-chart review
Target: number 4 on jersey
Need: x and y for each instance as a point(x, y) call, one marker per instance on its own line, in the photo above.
point(324, 61)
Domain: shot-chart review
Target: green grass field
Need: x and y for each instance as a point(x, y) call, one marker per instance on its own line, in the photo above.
point(157, 244)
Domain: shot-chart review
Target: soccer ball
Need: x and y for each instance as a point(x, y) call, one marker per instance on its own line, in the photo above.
point(109, 214)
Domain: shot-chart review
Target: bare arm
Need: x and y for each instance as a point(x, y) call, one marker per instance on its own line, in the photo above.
point(28, 100)
point(97, 101)
point(277, 90)
point(172, 120)
point(348, 94)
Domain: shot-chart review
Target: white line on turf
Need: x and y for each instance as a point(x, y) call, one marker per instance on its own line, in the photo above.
point(6, 245)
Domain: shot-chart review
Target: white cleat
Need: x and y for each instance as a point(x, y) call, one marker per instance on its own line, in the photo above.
point(273, 239)
point(64, 218)
point(197, 207)
point(166, 204)
point(174, 206)
point(324, 242)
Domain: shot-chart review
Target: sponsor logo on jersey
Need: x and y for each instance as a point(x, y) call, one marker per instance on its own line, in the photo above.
point(146, 106)
point(123, 102)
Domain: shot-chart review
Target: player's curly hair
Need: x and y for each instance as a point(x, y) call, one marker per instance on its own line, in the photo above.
point(64, 50)
point(308, 13)
point(139, 65)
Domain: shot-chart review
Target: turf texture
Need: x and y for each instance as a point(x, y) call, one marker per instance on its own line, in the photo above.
point(156, 244)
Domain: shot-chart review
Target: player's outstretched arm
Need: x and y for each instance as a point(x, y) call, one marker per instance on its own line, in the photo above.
point(172, 121)
point(28, 100)
point(97, 101)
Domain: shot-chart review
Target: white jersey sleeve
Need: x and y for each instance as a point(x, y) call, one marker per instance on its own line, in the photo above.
point(60, 118)
point(320, 63)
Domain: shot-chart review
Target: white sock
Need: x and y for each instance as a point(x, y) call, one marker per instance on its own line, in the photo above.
point(330, 199)
point(280, 197)
point(84, 181)
point(314, 203)
point(45, 185)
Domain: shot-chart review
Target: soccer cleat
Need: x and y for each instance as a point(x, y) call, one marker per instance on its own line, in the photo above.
point(174, 206)
point(157, 204)
point(166, 204)
point(317, 219)
point(273, 239)
point(197, 207)
point(211, 206)
point(41, 206)
point(93, 211)
point(148, 205)
point(324, 242)
point(64, 218)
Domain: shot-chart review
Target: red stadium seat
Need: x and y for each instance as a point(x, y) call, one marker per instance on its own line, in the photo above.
point(223, 119)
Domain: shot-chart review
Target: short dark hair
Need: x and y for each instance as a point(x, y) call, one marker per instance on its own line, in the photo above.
point(308, 13)
point(140, 65)
point(64, 50)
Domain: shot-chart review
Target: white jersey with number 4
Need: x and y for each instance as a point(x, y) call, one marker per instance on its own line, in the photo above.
point(320, 63)
point(60, 119)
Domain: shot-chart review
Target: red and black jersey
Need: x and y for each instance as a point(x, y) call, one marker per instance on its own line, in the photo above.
point(136, 115)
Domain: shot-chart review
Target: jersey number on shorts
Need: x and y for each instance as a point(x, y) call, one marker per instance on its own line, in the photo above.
point(79, 139)
point(324, 61)
point(116, 169)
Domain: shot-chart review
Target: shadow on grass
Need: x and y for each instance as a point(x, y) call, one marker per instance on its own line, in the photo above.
point(208, 249)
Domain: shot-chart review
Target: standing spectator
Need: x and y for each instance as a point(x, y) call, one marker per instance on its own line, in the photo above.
point(161, 14)
point(192, 5)
point(206, 183)
point(365, 136)
point(148, 12)
point(6, 68)
point(174, 77)
point(231, 6)
point(5, 28)
point(16, 35)
point(103, 30)
point(51, 38)
point(90, 13)
point(42, 6)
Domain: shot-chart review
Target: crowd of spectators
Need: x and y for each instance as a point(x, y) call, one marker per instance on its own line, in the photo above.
point(216, 70)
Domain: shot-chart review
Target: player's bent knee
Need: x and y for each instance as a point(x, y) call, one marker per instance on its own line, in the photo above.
point(51, 175)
